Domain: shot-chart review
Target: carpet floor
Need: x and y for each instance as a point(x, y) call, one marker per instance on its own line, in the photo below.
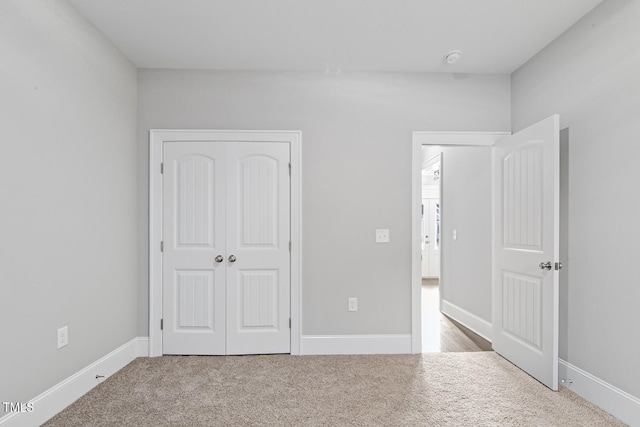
point(438, 389)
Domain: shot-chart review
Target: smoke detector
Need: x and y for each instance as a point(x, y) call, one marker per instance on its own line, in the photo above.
point(452, 57)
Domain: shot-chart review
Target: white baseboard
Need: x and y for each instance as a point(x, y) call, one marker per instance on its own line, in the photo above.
point(58, 397)
point(469, 320)
point(618, 403)
point(142, 346)
point(355, 344)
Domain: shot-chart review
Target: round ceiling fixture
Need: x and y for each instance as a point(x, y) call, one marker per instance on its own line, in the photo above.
point(452, 57)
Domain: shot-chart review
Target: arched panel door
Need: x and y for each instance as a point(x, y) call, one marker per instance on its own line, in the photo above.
point(526, 241)
point(193, 290)
point(258, 235)
point(226, 257)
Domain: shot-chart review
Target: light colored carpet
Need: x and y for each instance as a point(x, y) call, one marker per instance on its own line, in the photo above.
point(439, 389)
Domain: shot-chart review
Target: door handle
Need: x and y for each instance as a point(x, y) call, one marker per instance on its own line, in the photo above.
point(548, 266)
point(232, 258)
point(219, 258)
point(545, 265)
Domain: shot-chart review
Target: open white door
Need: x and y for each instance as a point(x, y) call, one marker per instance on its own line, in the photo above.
point(526, 232)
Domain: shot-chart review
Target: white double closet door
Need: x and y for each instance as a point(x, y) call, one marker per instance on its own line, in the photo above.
point(226, 257)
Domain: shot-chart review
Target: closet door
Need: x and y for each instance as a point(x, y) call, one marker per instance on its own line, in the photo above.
point(258, 256)
point(193, 290)
point(226, 257)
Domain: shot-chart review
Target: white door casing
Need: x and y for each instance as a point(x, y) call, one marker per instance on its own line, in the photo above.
point(291, 139)
point(526, 238)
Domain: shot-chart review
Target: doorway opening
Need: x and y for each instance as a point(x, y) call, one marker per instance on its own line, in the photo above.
point(429, 295)
point(440, 333)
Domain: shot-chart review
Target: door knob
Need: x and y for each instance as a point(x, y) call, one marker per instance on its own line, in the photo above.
point(545, 265)
point(232, 258)
point(219, 258)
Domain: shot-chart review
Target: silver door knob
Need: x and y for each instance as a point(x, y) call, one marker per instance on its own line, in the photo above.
point(232, 258)
point(219, 258)
point(545, 265)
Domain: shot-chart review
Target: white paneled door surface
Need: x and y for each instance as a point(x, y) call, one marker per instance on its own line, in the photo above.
point(526, 232)
point(226, 259)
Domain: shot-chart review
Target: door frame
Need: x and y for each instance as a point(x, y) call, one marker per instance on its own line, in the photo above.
point(419, 139)
point(156, 138)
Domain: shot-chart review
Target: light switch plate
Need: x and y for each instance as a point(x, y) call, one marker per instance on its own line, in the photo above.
point(63, 336)
point(382, 236)
point(353, 304)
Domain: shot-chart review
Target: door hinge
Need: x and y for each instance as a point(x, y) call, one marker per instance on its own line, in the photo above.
point(161, 167)
point(161, 245)
point(558, 265)
point(289, 323)
point(161, 324)
point(289, 169)
point(289, 245)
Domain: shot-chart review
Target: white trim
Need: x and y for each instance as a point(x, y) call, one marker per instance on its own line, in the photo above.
point(156, 138)
point(356, 344)
point(618, 403)
point(142, 346)
point(417, 141)
point(416, 238)
point(58, 397)
point(468, 320)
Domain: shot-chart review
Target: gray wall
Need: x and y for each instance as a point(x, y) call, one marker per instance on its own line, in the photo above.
point(356, 170)
point(67, 188)
point(591, 77)
point(466, 208)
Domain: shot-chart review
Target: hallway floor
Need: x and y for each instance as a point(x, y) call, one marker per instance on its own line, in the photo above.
point(441, 334)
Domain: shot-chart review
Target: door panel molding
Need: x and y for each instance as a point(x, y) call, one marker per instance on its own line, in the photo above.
point(156, 139)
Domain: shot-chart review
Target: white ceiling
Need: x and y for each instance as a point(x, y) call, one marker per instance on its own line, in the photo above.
point(495, 36)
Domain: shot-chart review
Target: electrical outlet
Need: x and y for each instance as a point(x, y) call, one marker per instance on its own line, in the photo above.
point(63, 336)
point(382, 236)
point(353, 304)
